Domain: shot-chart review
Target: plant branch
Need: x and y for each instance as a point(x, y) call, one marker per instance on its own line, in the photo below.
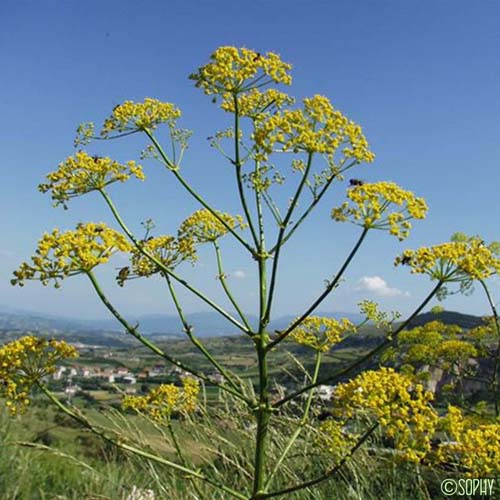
point(281, 234)
point(222, 278)
point(237, 163)
point(360, 361)
point(165, 269)
point(327, 475)
point(188, 329)
point(124, 446)
point(173, 168)
point(152, 346)
point(331, 285)
point(301, 424)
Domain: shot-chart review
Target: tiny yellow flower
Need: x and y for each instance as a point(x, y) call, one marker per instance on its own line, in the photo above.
point(315, 128)
point(169, 250)
point(453, 261)
point(24, 362)
point(60, 255)
point(321, 333)
point(401, 407)
point(475, 446)
point(203, 226)
point(231, 69)
point(256, 104)
point(83, 173)
point(165, 400)
point(131, 116)
point(370, 208)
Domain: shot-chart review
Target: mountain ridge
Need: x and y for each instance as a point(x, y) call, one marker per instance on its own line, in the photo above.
point(204, 323)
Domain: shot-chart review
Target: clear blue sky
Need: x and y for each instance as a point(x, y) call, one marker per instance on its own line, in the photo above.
point(422, 77)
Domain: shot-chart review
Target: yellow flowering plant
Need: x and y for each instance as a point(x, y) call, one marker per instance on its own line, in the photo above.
point(24, 363)
point(371, 204)
point(61, 255)
point(473, 445)
point(321, 333)
point(83, 173)
point(165, 400)
point(298, 137)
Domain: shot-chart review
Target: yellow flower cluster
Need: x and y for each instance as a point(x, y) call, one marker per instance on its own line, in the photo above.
point(435, 344)
point(165, 400)
point(24, 362)
point(84, 134)
point(321, 333)
point(371, 202)
point(83, 173)
point(381, 319)
point(476, 447)
point(453, 261)
point(60, 255)
point(230, 68)
point(170, 251)
point(334, 439)
point(203, 226)
point(317, 128)
point(131, 116)
point(483, 336)
point(255, 103)
point(401, 407)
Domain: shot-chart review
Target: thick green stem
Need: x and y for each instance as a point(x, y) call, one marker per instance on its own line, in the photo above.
point(173, 168)
point(188, 329)
point(230, 296)
point(363, 359)
point(165, 269)
point(152, 346)
point(263, 417)
point(120, 444)
point(331, 285)
point(301, 424)
point(264, 408)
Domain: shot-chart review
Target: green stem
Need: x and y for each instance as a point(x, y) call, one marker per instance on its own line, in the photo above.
point(360, 361)
point(263, 417)
point(165, 269)
point(226, 288)
point(188, 329)
point(301, 424)
point(331, 285)
point(179, 468)
point(264, 408)
point(150, 345)
point(309, 209)
point(237, 164)
point(281, 234)
point(272, 208)
point(194, 194)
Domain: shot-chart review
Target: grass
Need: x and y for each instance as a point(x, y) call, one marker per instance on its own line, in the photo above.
point(66, 462)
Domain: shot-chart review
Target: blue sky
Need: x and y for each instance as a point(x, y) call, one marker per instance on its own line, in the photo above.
point(422, 77)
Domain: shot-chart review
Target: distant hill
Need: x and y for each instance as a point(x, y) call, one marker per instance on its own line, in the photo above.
point(206, 324)
point(449, 318)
